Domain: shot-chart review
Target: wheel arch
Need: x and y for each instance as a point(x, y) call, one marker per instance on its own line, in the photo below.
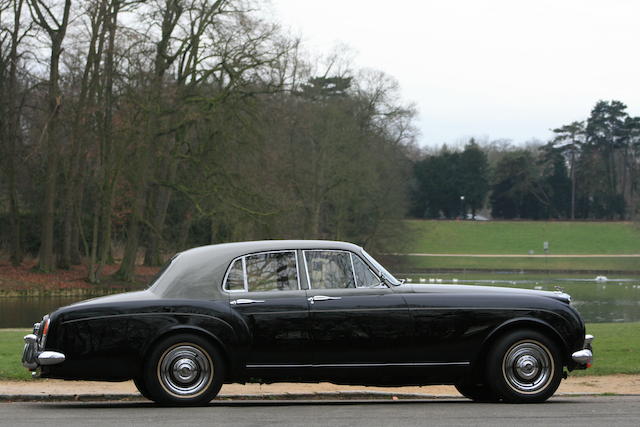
point(515, 324)
point(193, 330)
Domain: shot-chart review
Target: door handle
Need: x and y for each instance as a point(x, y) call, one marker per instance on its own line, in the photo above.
point(321, 298)
point(245, 301)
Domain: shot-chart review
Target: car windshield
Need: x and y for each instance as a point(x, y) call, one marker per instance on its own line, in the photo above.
point(388, 276)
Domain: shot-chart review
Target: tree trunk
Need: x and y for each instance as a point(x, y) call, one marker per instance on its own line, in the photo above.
point(46, 256)
point(12, 123)
point(153, 257)
point(573, 186)
point(46, 260)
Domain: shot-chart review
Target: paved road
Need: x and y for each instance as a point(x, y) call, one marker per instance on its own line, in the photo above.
point(565, 411)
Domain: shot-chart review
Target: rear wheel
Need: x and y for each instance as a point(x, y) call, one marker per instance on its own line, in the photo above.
point(185, 370)
point(524, 367)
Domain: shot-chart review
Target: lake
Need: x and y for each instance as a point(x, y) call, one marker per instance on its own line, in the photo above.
point(614, 300)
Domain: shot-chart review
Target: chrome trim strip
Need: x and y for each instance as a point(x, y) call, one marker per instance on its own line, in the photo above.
point(306, 269)
point(245, 281)
point(361, 365)
point(353, 270)
point(141, 314)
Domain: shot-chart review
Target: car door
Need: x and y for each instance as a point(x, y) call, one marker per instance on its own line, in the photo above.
point(264, 291)
point(356, 321)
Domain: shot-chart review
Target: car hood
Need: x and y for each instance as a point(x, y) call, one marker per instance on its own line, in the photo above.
point(484, 290)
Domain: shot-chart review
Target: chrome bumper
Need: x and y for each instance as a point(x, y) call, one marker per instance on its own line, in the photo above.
point(584, 357)
point(32, 358)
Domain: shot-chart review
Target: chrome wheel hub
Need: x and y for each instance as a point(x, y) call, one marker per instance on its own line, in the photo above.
point(528, 366)
point(185, 370)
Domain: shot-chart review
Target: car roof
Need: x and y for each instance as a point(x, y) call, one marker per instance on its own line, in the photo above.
point(240, 248)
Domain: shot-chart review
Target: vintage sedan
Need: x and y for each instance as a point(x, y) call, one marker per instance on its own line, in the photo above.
point(310, 311)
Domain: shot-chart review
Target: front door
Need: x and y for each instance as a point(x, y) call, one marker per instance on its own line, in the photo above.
point(356, 321)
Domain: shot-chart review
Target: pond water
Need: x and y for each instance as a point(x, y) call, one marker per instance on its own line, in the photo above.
point(616, 299)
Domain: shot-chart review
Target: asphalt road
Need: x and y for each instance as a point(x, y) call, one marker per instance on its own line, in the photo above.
point(566, 411)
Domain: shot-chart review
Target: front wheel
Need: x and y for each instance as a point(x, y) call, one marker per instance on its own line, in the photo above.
point(185, 370)
point(524, 367)
point(476, 392)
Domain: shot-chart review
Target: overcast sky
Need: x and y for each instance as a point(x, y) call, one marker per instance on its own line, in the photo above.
point(487, 68)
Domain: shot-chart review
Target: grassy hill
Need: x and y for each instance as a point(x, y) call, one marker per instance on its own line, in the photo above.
point(519, 237)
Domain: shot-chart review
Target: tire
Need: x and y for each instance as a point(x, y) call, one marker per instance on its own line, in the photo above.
point(142, 388)
point(476, 392)
point(524, 366)
point(184, 370)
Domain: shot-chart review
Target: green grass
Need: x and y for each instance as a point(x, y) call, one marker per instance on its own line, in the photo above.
point(519, 237)
point(420, 263)
point(11, 344)
point(616, 349)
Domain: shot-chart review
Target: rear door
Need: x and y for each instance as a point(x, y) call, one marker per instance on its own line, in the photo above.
point(264, 291)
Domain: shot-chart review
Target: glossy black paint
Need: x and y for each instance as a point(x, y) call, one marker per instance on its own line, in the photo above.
point(407, 334)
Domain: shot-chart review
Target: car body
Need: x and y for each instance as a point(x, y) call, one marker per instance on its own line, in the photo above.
point(310, 311)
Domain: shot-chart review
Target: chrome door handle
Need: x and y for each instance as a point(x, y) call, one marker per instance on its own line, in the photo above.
point(321, 298)
point(245, 301)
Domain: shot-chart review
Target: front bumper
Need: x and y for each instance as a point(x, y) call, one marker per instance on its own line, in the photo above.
point(33, 358)
point(584, 357)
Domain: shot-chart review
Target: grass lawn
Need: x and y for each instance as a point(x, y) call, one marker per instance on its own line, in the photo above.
point(11, 345)
point(418, 263)
point(518, 237)
point(616, 348)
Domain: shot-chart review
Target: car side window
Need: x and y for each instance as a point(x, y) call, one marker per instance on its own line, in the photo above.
point(329, 269)
point(269, 271)
point(275, 271)
point(365, 278)
point(235, 278)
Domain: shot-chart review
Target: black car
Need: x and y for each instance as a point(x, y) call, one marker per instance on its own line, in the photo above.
point(310, 311)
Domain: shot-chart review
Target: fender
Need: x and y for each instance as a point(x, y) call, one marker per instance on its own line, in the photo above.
point(222, 334)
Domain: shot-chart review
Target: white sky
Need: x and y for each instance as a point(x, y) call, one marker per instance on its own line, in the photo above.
point(487, 68)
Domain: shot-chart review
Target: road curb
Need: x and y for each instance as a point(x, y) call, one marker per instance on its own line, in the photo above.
point(340, 396)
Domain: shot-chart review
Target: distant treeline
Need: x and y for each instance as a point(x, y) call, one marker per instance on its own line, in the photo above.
point(590, 170)
point(150, 127)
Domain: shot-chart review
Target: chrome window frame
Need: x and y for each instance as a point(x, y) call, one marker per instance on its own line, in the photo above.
point(306, 266)
point(244, 270)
